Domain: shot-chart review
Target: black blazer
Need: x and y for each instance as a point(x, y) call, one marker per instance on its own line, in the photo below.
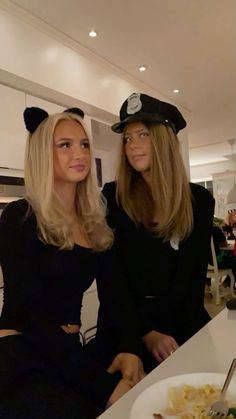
point(167, 285)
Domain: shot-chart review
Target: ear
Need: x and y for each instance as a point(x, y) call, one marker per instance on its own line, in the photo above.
point(76, 111)
point(33, 117)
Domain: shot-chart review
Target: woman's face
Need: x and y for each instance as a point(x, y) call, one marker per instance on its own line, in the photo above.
point(71, 152)
point(137, 146)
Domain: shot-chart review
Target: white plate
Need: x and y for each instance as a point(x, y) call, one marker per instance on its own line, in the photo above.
point(154, 399)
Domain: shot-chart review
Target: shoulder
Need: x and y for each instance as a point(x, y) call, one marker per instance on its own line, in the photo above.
point(17, 227)
point(16, 216)
point(16, 211)
point(201, 195)
point(203, 208)
point(109, 190)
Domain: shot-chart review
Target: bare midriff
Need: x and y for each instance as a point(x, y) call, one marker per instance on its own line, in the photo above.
point(9, 332)
point(68, 328)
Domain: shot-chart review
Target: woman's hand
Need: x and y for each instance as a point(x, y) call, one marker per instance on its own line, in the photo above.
point(130, 366)
point(159, 345)
point(121, 388)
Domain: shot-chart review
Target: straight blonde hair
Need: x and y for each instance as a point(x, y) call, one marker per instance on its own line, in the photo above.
point(53, 224)
point(164, 207)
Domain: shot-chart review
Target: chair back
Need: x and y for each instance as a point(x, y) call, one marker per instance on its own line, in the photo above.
point(1, 278)
point(214, 266)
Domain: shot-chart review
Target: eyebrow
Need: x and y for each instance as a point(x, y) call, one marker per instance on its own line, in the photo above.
point(70, 139)
point(136, 131)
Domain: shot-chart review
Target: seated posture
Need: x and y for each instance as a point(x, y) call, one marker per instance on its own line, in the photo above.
point(162, 226)
point(53, 244)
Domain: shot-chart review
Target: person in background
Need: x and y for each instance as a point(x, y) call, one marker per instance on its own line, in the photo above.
point(162, 226)
point(53, 244)
point(225, 258)
point(229, 223)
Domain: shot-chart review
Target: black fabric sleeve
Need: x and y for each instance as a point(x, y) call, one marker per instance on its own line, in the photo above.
point(109, 192)
point(28, 304)
point(117, 320)
point(188, 293)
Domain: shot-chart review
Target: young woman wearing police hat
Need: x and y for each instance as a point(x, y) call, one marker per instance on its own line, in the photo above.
point(162, 226)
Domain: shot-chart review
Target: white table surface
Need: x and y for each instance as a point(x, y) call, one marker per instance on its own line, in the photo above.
point(210, 350)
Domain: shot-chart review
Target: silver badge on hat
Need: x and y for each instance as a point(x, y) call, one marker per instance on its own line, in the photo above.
point(134, 103)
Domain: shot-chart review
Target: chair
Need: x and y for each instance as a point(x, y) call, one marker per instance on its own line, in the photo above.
point(89, 334)
point(217, 275)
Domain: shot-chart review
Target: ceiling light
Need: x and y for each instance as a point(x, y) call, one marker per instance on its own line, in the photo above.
point(142, 68)
point(176, 91)
point(92, 34)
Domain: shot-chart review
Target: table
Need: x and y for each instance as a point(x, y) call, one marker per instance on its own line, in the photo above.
point(210, 350)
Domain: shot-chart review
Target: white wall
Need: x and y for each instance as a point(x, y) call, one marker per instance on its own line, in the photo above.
point(205, 171)
point(41, 58)
point(48, 63)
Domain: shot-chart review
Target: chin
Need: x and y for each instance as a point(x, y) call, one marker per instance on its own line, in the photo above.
point(141, 169)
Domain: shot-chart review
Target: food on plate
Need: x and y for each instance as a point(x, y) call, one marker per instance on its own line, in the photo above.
point(189, 402)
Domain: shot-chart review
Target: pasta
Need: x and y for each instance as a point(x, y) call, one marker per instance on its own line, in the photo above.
point(189, 402)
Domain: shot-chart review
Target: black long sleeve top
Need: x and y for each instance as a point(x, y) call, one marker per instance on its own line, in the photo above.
point(43, 289)
point(167, 284)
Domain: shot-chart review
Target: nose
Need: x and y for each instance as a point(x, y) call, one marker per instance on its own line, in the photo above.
point(79, 152)
point(134, 143)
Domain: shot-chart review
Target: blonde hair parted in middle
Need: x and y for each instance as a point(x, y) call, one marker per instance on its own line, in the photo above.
point(53, 224)
point(164, 206)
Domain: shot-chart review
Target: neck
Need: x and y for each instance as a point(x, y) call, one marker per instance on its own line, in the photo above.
point(147, 177)
point(66, 192)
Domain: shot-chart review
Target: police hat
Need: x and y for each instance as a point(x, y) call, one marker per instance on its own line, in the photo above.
point(143, 108)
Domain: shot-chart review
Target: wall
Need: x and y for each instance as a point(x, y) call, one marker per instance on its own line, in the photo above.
point(40, 61)
point(205, 171)
point(13, 134)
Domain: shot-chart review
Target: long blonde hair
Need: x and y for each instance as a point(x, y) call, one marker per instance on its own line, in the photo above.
point(164, 207)
point(53, 224)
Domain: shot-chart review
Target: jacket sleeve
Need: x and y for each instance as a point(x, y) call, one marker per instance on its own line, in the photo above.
point(109, 192)
point(26, 287)
point(121, 224)
point(187, 297)
point(117, 320)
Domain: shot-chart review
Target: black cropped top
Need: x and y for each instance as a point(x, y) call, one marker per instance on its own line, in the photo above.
point(43, 289)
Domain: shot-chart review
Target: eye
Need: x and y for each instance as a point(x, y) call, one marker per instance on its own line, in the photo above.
point(127, 140)
point(85, 144)
point(144, 134)
point(64, 144)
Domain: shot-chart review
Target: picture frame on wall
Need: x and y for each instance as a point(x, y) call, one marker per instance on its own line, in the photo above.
point(98, 163)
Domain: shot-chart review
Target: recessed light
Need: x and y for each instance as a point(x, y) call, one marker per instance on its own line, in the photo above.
point(142, 68)
point(176, 91)
point(93, 34)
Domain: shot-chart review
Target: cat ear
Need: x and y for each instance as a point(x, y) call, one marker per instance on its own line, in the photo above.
point(76, 111)
point(33, 117)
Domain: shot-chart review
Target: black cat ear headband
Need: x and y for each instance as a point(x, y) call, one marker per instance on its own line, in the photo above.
point(34, 116)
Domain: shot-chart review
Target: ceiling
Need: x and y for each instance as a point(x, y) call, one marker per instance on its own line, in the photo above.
point(188, 45)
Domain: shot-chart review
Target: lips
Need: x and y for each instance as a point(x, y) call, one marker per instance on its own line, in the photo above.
point(78, 167)
point(138, 156)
